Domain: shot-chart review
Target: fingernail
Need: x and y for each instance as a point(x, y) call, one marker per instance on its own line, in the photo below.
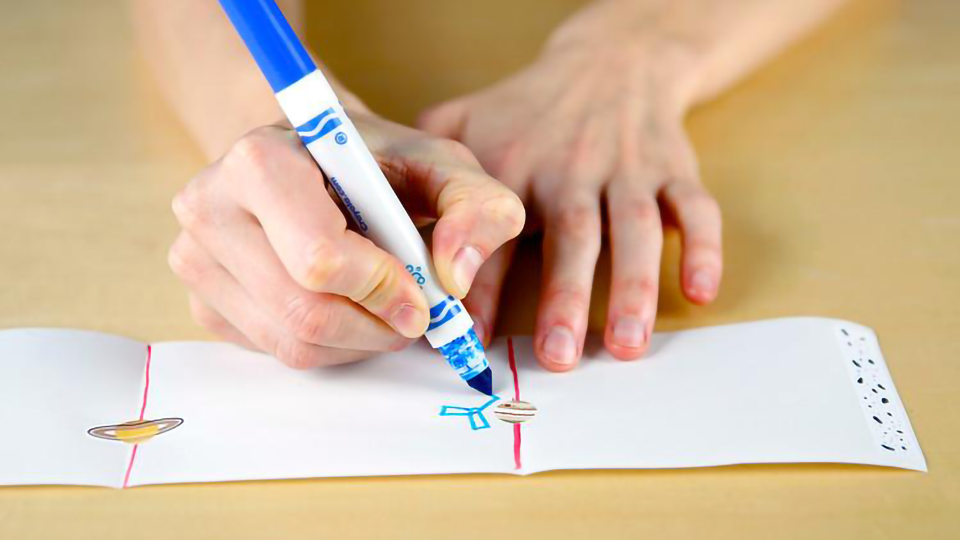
point(702, 282)
point(560, 346)
point(629, 332)
point(466, 263)
point(408, 320)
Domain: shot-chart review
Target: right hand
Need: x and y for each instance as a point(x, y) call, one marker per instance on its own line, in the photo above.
point(271, 265)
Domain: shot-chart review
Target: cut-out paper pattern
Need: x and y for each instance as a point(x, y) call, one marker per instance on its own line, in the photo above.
point(875, 391)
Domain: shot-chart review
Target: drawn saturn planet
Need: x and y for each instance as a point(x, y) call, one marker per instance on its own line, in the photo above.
point(515, 412)
point(137, 431)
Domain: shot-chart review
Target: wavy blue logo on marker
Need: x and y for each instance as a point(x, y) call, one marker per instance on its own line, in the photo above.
point(321, 125)
point(443, 312)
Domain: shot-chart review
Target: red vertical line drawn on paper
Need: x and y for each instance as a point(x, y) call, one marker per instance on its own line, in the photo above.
point(143, 410)
point(518, 464)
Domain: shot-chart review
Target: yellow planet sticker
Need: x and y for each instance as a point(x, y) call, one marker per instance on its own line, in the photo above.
point(135, 432)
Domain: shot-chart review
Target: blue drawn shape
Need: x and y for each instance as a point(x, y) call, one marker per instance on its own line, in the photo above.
point(314, 129)
point(475, 414)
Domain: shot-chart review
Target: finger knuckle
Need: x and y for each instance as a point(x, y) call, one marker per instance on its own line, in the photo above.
point(643, 286)
point(184, 263)
point(574, 216)
point(296, 354)
point(579, 222)
point(571, 295)
point(253, 152)
point(309, 321)
point(702, 249)
point(702, 203)
point(379, 286)
point(644, 211)
point(460, 190)
point(323, 261)
point(507, 209)
point(191, 207)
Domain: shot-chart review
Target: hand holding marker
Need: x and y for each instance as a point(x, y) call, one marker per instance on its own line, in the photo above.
point(324, 128)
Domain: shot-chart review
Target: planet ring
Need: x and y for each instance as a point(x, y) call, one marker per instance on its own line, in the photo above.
point(136, 431)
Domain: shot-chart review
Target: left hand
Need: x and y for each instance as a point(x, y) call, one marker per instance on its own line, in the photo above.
point(584, 125)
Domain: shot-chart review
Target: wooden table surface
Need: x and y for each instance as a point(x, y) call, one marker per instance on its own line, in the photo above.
point(836, 167)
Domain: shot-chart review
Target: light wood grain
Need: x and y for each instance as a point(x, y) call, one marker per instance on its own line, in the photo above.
point(836, 167)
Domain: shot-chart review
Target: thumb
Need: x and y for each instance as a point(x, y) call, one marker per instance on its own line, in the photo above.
point(477, 216)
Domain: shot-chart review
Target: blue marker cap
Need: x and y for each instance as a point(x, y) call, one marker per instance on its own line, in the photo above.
point(271, 41)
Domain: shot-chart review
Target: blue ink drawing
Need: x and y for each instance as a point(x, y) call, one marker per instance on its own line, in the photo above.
point(475, 414)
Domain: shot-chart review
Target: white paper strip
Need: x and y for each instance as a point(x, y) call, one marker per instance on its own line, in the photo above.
point(788, 390)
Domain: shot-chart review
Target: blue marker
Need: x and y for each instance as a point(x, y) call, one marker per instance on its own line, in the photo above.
point(309, 102)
